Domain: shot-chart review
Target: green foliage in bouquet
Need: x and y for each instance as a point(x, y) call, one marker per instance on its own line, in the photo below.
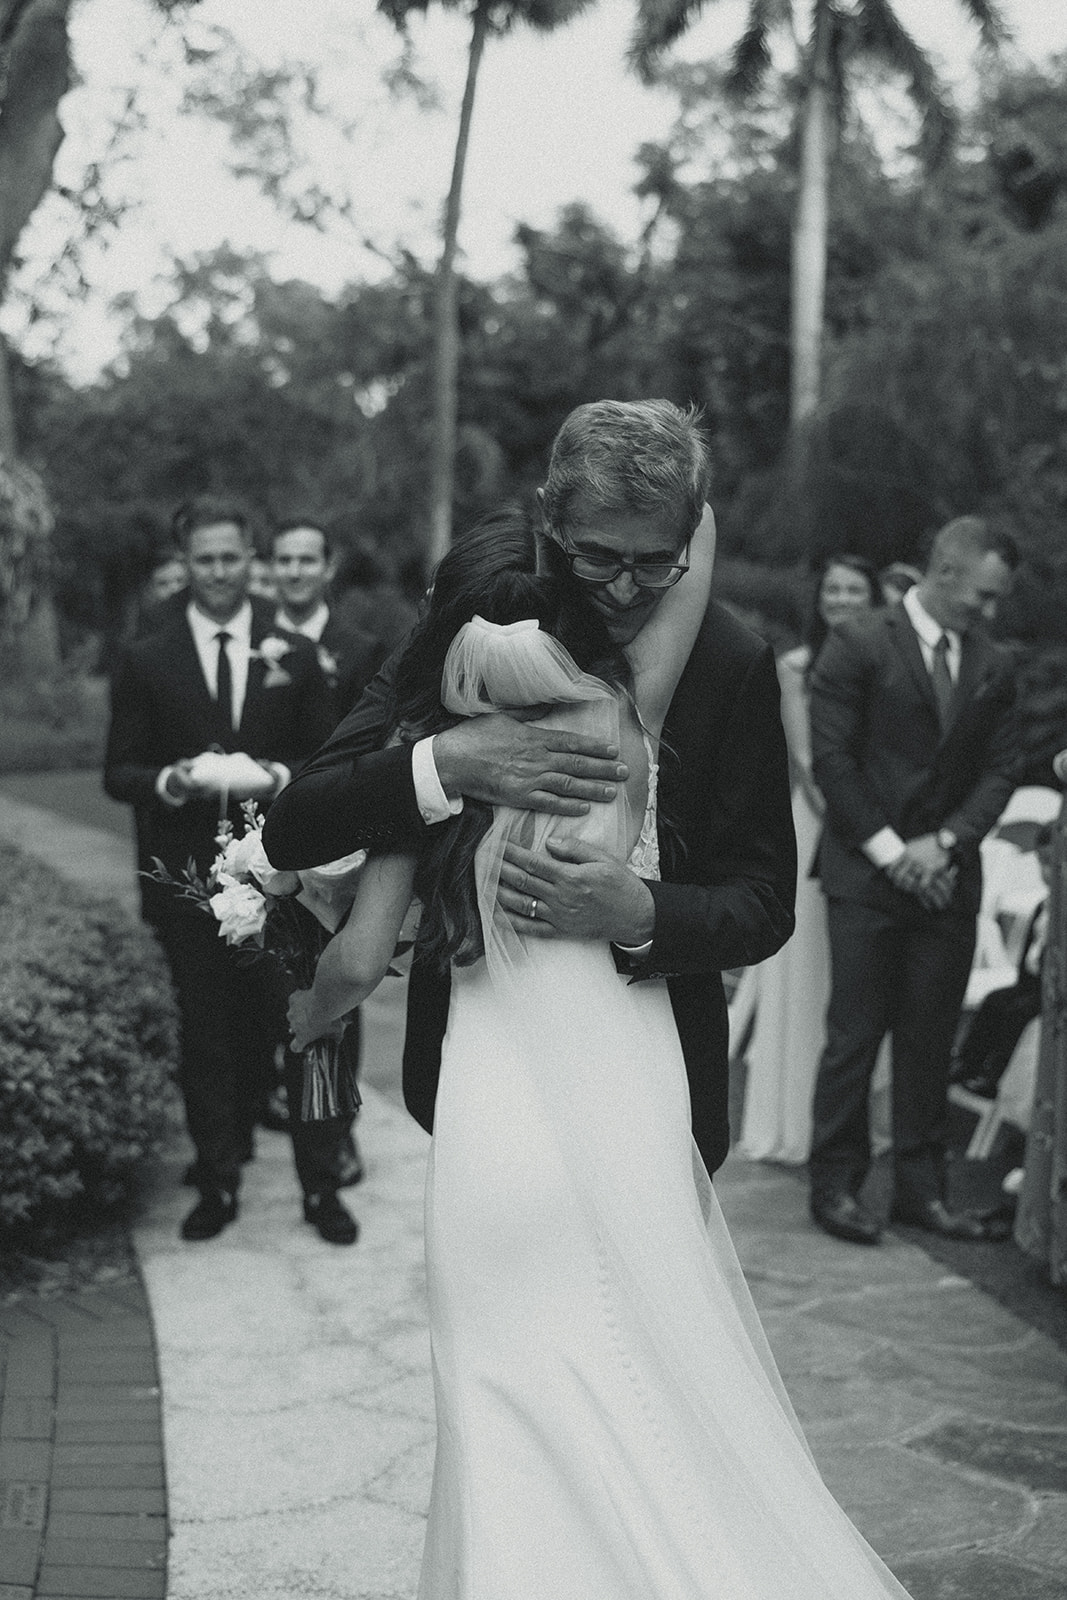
point(88, 1043)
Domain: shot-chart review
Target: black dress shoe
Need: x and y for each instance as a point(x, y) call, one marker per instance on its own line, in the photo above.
point(212, 1212)
point(846, 1219)
point(330, 1219)
point(935, 1217)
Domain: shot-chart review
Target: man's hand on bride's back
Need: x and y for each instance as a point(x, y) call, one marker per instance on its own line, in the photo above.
point(500, 759)
point(576, 892)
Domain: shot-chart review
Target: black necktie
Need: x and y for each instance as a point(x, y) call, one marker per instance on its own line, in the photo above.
point(224, 692)
point(941, 678)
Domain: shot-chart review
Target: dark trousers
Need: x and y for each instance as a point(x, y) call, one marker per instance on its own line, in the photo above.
point(232, 1016)
point(906, 974)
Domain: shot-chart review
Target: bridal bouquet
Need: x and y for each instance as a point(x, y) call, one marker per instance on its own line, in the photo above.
point(290, 916)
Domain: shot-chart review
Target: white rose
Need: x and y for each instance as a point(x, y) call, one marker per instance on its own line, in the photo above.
point(241, 912)
point(250, 860)
point(226, 869)
point(273, 650)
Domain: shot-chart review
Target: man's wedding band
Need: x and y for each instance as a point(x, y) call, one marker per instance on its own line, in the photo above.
point(533, 909)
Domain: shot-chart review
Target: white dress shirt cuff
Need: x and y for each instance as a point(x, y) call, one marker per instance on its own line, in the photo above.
point(637, 951)
point(434, 805)
point(164, 793)
point(281, 772)
point(884, 847)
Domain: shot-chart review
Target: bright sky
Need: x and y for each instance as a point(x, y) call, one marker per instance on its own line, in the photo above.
point(557, 118)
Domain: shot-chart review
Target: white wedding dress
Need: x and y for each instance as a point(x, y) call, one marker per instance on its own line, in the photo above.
point(611, 1425)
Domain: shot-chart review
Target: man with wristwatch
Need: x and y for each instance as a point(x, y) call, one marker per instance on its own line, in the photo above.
point(914, 749)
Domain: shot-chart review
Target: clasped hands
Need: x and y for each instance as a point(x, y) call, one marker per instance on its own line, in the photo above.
point(925, 870)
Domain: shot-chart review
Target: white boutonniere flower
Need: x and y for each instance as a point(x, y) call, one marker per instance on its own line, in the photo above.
point(272, 652)
point(329, 664)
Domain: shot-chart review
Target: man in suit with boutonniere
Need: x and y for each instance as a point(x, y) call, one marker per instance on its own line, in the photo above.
point(303, 565)
point(215, 708)
point(914, 749)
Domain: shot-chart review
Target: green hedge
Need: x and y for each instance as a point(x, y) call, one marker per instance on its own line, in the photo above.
point(88, 1043)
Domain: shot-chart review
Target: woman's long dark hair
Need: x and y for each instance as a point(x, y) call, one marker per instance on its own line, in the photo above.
point(491, 571)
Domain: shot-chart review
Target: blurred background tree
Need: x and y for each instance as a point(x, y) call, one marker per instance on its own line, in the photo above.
point(840, 41)
point(487, 18)
point(35, 74)
point(944, 386)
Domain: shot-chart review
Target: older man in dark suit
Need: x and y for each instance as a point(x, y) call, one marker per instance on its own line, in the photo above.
point(914, 751)
point(624, 492)
point(218, 678)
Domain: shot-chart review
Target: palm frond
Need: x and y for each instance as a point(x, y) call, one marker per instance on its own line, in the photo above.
point(993, 26)
point(751, 56)
point(879, 33)
point(659, 24)
point(546, 15)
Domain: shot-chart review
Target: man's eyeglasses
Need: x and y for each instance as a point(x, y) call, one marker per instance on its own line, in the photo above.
point(605, 569)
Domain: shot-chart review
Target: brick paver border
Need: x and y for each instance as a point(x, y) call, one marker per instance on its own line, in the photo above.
point(82, 1486)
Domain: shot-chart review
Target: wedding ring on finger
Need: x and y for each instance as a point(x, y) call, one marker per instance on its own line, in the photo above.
point(532, 913)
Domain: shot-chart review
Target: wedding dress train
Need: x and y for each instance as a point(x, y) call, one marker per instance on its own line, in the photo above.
point(611, 1425)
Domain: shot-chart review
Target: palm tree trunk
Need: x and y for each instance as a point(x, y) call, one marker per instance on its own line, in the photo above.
point(810, 232)
point(446, 318)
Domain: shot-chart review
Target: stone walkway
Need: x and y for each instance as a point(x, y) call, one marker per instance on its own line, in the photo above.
point(297, 1404)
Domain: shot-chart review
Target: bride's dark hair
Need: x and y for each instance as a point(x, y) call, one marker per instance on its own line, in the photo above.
point(490, 571)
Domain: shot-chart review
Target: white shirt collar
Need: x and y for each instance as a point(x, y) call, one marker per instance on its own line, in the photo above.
point(928, 630)
point(312, 628)
point(206, 630)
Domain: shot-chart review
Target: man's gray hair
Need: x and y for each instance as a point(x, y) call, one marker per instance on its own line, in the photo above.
point(643, 456)
point(972, 536)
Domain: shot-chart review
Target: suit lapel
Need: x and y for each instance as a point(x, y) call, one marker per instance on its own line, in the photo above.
point(906, 641)
point(257, 669)
point(189, 672)
point(976, 661)
point(972, 660)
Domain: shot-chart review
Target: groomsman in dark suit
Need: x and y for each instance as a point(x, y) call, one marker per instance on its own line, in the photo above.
point(914, 750)
point(625, 490)
point(218, 677)
point(303, 566)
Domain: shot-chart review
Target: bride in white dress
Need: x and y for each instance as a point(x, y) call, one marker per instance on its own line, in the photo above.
point(611, 1425)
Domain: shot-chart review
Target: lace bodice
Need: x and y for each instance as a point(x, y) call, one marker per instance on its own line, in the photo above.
point(644, 857)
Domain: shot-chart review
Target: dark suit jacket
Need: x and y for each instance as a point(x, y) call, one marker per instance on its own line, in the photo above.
point(349, 658)
point(161, 710)
point(880, 758)
point(726, 837)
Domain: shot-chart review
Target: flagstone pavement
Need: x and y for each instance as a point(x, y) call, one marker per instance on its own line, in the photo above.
point(255, 1422)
